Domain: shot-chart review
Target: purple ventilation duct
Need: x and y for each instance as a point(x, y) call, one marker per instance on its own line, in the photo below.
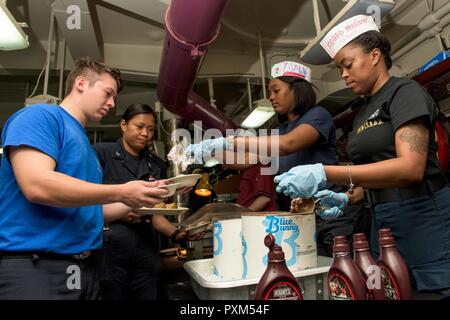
point(191, 26)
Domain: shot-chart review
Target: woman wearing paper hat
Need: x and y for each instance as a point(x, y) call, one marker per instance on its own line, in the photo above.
point(307, 132)
point(307, 136)
point(394, 151)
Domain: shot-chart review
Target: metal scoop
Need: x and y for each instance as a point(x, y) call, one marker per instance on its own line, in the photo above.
point(305, 205)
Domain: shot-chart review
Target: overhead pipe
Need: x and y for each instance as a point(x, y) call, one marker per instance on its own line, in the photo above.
point(430, 26)
point(263, 72)
point(61, 70)
point(402, 6)
point(191, 26)
point(49, 52)
point(212, 101)
point(249, 92)
point(316, 17)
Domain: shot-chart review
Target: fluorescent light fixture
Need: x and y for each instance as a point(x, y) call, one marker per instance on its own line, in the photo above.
point(12, 36)
point(260, 115)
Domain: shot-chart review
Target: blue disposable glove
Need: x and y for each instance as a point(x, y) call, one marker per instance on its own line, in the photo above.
point(333, 203)
point(203, 150)
point(302, 181)
point(332, 213)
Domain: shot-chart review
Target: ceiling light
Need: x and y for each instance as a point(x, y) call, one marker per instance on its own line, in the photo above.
point(12, 36)
point(260, 115)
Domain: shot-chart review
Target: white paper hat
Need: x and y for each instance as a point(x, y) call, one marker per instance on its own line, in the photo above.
point(345, 32)
point(291, 69)
point(315, 54)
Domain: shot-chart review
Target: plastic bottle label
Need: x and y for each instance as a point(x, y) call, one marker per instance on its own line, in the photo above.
point(339, 287)
point(390, 286)
point(283, 291)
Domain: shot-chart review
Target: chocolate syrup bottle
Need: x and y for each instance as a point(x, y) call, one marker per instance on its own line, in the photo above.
point(368, 267)
point(345, 281)
point(277, 282)
point(394, 272)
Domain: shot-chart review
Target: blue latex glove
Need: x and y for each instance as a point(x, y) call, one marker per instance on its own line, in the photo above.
point(302, 181)
point(332, 202)
point(203, 150)
point(331, 213)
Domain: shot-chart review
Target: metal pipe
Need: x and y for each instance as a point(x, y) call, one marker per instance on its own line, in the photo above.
point(249, 91)
point(27, 89)
point(430, 26)
point(434, 18)
point(405, 39)
point(427, 5)
point(49, 49)
point(61, 70)
point(212, 101)
point(263, 72)
point(441, 45)
point(316, 17)
point(333, 22)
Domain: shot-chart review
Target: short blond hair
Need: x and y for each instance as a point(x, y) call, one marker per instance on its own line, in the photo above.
point(85, 66)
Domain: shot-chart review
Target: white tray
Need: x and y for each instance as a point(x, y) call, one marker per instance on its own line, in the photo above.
point(209, 287)
point(163, 211)
point(185, 180)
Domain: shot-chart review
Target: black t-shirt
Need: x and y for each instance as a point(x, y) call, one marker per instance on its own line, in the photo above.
point(379, 117)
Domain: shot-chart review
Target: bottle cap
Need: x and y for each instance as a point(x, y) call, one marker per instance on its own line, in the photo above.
point(359, 236)
point(360, 242)
point(385, 237)
point(275, 251)
point(341, 244)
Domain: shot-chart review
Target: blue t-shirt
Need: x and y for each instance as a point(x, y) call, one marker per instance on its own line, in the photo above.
point(26, 226)
point(324, 151)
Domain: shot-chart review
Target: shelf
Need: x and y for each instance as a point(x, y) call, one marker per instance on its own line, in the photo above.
point(433, 72)
point(436, 80)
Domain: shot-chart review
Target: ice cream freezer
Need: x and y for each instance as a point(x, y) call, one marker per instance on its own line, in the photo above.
point(207, 286)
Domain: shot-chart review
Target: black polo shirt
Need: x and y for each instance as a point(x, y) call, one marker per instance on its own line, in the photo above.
point(120, 167)
point(396, 103)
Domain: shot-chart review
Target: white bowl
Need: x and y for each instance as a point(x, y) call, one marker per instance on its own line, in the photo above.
point(185, 180)
point(172, 187)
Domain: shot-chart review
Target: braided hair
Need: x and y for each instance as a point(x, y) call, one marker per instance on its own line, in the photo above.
point(373, 39)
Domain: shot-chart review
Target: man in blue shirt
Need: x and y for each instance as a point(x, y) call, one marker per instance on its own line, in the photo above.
point(52, 202)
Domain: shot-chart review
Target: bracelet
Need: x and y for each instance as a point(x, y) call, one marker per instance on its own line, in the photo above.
point(351, 186)
point(173, 236)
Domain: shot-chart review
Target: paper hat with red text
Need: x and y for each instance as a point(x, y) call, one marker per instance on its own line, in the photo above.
point(291, 69)
point(316, 54)
point(345, 32)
